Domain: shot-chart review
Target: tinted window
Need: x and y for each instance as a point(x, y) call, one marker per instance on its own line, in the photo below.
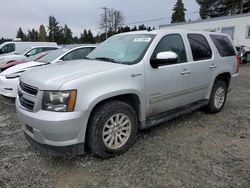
point(173, 43)
point(77, 54)
point(200, 47)
point(8, 48)
point(49, 48)
point(223, 45)
point(35, 51)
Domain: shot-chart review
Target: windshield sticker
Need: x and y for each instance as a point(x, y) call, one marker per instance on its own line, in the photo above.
point(142, 39)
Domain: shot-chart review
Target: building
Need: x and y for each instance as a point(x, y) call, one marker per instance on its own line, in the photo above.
point(236, 26)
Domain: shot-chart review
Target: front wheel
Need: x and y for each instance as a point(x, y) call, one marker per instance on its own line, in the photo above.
point(112, 129)
point(218, 97)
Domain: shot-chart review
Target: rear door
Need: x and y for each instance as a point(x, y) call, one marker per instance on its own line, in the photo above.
point(204, 65)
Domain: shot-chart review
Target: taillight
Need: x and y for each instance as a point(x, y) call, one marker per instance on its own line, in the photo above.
point(238, 64)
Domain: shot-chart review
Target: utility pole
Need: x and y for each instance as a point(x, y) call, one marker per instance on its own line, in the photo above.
point(105, 20)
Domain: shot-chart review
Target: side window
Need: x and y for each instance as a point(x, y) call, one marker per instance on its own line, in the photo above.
point(49, 48)
point(34, 51)
point(200, 47)
point(223, 45)
point(174, 43)
point(77, 54)
point(8, 48)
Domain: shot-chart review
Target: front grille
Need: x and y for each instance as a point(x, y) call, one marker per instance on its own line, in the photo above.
point(28, 89)
point(26, 103)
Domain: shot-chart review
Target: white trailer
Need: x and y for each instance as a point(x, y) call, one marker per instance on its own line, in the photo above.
point(236, 26)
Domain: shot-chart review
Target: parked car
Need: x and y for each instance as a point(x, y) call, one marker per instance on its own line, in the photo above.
point(27, 52)
point(9, 79)
point(131, 81)
point(14, 46)
point(28, 59)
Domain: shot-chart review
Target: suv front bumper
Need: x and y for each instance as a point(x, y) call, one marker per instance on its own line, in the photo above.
point(50, 130)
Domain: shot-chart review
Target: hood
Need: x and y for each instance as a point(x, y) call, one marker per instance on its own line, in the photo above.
point(12, 57)
point(21, 67)
point(51, 77)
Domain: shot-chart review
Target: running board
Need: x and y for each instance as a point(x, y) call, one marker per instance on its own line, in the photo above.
point(166, 116)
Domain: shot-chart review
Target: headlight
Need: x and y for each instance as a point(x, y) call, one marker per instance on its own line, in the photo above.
point(59, 101)
point(14, 75)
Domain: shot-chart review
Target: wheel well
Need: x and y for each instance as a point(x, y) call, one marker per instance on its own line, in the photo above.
point(131, 99)
point(224, 77)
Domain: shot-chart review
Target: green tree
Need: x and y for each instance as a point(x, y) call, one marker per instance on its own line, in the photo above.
point(20, 34)
point(68, 38)
point(84, 37)
point(32, 35)
point(179, 12)
point(42, 33)
point(90, 37)
point(216, 8)
point(55, 31)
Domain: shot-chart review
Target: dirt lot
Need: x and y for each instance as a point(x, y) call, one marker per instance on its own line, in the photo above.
point(198, 150)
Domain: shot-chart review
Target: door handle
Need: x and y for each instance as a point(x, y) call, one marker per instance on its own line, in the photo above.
point(213, 66)
point(185, 72)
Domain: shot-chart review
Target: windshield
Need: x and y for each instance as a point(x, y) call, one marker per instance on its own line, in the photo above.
point(52, 55)
point(125, 49)
point(23, 52)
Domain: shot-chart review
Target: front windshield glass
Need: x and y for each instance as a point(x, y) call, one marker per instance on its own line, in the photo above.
point(23, 52)
point(52, 55)
point(125, 49)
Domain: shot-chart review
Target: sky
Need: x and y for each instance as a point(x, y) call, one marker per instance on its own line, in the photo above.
point(80, 14)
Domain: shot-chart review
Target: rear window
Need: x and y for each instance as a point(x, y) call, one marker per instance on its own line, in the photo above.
point(200, 47)
point(223, 45)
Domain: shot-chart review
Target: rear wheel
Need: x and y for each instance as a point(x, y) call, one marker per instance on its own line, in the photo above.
point(112, 129)
point(218, 97)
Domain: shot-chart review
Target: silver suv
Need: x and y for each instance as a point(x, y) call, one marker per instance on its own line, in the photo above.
point(131, 81)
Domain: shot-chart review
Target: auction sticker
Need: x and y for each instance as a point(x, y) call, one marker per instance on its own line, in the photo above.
point(142, 40)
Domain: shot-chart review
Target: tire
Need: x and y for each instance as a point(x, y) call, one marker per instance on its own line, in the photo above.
point(100, 129)
point(218, 97)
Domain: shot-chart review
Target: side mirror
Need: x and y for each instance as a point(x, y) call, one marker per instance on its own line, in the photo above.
point(59, 61)
point(1, 51)
point(164, 58)
point(28, 54)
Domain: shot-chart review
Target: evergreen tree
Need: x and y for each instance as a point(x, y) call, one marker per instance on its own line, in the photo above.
point(142, 27)
point(42, 34)
point(55, 31)
point(216, 8)
point(90, 37)
point(68, 38)
point(21, 34)
point(179, 12)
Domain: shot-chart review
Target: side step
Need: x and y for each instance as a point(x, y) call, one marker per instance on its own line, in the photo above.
point(166, 116)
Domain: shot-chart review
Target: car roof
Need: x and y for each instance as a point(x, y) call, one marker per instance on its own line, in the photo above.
point(167, 30)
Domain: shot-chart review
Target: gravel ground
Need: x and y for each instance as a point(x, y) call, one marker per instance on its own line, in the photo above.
point(197, 150)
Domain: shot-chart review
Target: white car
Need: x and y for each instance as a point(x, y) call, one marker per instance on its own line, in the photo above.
point(23, 54)
point(9, 79)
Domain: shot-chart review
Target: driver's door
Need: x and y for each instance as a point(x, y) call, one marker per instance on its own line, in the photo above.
point(169, 86)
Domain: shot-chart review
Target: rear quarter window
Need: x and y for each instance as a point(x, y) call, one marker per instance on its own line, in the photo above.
point(200, 47)
point(223, 45)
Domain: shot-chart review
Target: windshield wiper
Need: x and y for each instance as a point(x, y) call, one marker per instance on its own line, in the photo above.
point(106, 59)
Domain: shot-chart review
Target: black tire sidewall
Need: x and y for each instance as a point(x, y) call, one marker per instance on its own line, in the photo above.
point(103, 114)
point(211, 106)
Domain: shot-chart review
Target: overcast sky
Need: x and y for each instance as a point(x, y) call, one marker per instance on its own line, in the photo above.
point(80, 14)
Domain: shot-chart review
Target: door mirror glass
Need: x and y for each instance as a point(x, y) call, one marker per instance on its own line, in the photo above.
point(164, 58)
point(28, 54)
